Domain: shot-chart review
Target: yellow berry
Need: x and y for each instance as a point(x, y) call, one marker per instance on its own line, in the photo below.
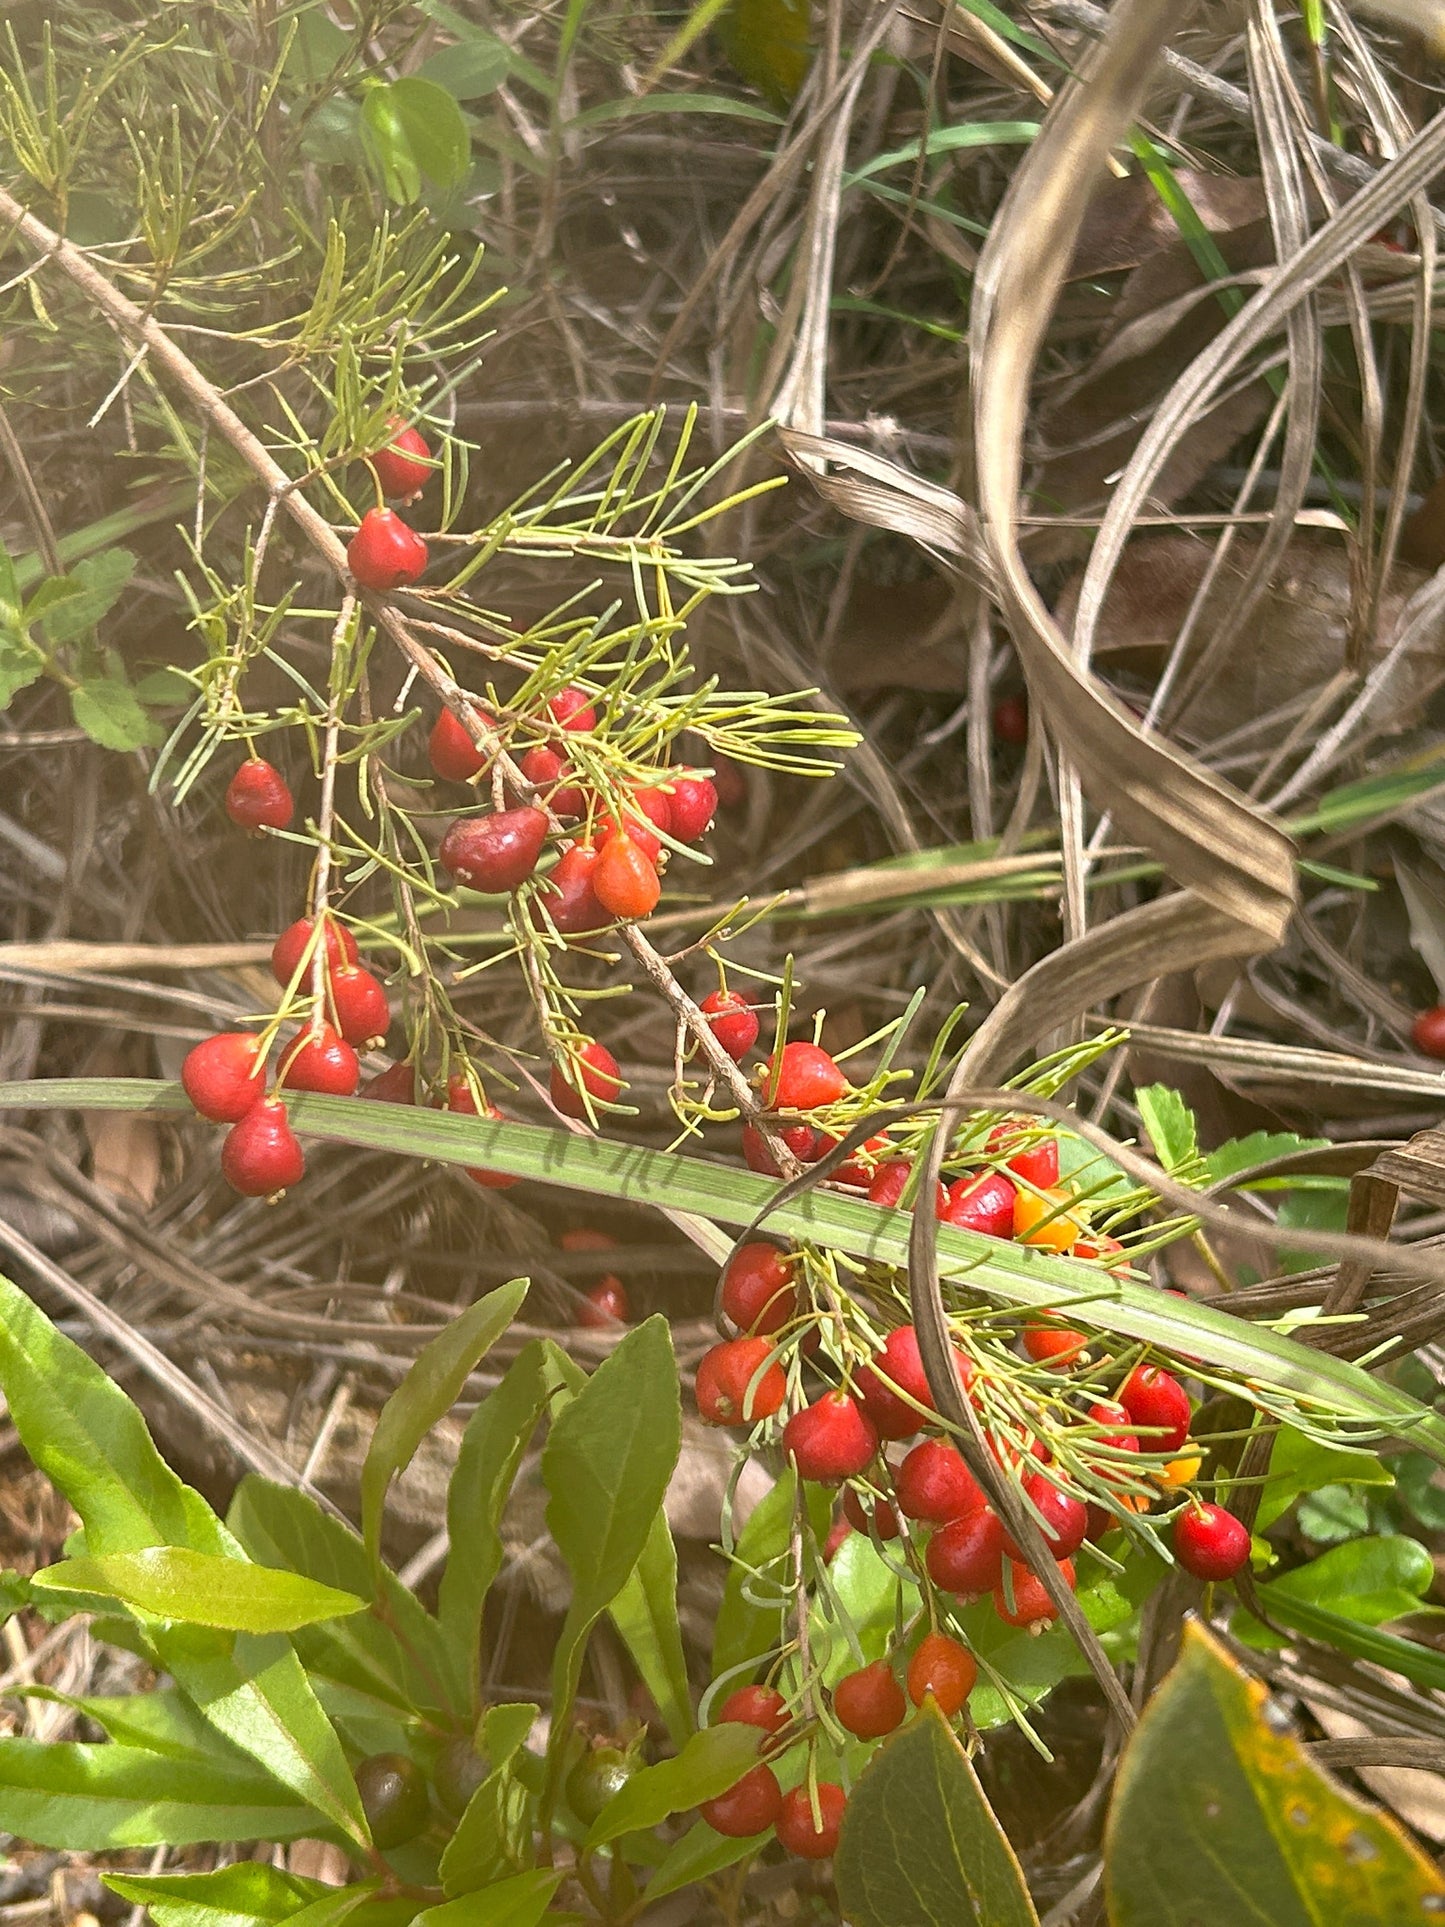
point(1043, 1218)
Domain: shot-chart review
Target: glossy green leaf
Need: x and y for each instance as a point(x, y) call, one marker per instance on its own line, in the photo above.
point(88, 1798)
point(359, 1905)
point(606, 1466)
point(1422, 1664)
point(709, 1764)
point(111, 714)
point(1219, 1820)
point(427, 1393)
point(1374, 1579)
point(1300, 1464)
point(384, 133)
point(173, 1582)
point(493, 1837)
point(645, 1614)
point(159, 1721)
point(236, 1896)
point(697, 1856)
point(920, 1846)
point(434, 129)
point(520, 1901)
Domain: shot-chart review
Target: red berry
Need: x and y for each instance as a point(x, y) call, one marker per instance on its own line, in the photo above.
point(1159, 1405)
point(734, 1021)
point(806, 1078)
point(571, 709)
point(801, 1140)
point(1058, 1346)
point(257, 797)
point(1122, 1438)
point(870, 1702)
point(570, 900)
point(384, 553)
point(462, 1102)
point(592, 1069)
point(403, 467)
point(899, 1368)
point(1011, 720)
point(799, 1832)
point(966, 1555)
point(1062, 1518)
point(290, 948)
point(359, 1005)
point(890, 1181)
point(1036, 1162)
point(223, 1076)
point(881, 1516)
point(830, 1440)
point(760, 1706)
point(750, 1807)
point(633, 829)
point(981, 1201)
point(260, 1155)
point(604, 1306)
point(395, 1085)
point(1031, 1603)
point(494, 853)
point(1428, 1031)
point(934, 1483)
point(319, 1060)
point(451, 751)
point(1210, 1543)
point(544, 767)
point(625, 880)
point(694, 805)
point(724, 1375)
point(1101, 1247)
point(655, 805)
point(944, 1668)
point(858, 1171)
point(758, 1293)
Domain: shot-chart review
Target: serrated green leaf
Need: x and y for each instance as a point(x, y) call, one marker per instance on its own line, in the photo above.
point(1219, 1818)
point(111, 714)
point(173, 1582)
point(21, 664)
point(427, 1393)
point(920, 1843)
point(1238, 1154)
point(101, 580)
point(236, 1896)
point(709, 1764)
point(1170, 1124)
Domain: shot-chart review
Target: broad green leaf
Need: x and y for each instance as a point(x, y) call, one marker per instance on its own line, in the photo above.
point(160, 1721)
point(1371, 1580)
point(493, 1837)
point(434, 129)
point(21, 664)
point(920, 1846)
point(111, 714)
point(384, 133)
point(697, 1856)
point(518, 1902)
point(1170, 1124)
point(1219, 1820)
point(101, 579)
point(396, 1653)
point(1422, 1664)
point(471, 68)
point(606, 1466)
point(358, 1904)
point(496, 1436)
point(172, 1582)
point(709, 1764)
point(749, 1620)
point(316, 48)
point(1300, 1464)
point(234, 1896)
point(645, 1614)
point(427, 1394)
point(88, 1798)
point(86, 1436)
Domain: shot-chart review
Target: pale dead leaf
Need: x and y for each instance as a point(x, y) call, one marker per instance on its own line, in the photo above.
point(1424, 892)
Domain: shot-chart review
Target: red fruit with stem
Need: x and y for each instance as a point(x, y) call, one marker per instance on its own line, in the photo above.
point(462, 1102)
point(758, 1293)
point(1010, 718)
point(625, 881)
point(946, 1669)
point(1030, 1156)
point(385, 554)
point(570, 899)
point(803, 1078)
point(260, 1155)
point(733, 1021)
point(966, 1555)
point(1121, 1437)
point(808, 1837)
point(694, 805)
point(633, 829)
point(403, 467)
point(451, 751)
point(291, 948)
point(880, 1515)
point(1099, 1247)
point(801, 1140)
point(604, 1306)
point(981, 1201)
point(1060, 1517)
point(551, 773)
point(933, 1483)
point(1159, 1405)
point(359, 1005)
point(750, 1806)
point(724, 1375)
point(571, 709)
point(1057, 1346)
point(655, 805)
point(395, 1085)
point(593, 1070)
point(870, 1702)
point(899, 1368)
point(258, 798)
point(319, 1060)
point(224, 1077)
point(831, 1439)
point(494, 853)
point(1031, 1604)
point(761, 1706)
point(1427, 1033)
point(1211, 1543)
